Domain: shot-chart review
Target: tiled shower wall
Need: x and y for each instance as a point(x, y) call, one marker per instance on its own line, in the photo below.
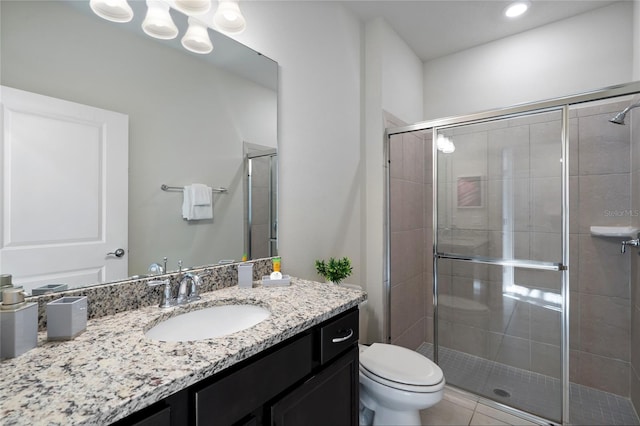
point(600, 294)
point(411, 307)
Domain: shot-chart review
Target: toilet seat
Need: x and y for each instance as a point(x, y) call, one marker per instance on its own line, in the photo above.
point(400, 368)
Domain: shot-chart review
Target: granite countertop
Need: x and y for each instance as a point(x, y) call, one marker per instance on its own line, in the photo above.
point(112, 370)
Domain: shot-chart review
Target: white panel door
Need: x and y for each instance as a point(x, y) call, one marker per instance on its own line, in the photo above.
point(64, 191)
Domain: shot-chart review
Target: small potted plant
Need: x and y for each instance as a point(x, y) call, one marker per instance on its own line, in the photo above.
point(335, 270)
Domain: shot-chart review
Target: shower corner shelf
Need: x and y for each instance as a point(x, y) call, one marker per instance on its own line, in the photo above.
point(614, 231)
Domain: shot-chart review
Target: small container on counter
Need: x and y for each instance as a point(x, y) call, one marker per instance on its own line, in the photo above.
point(19, 323)
point(49, 288)
point(5, 283)
point(66, 317)
point(276, 262)
point(245, 275)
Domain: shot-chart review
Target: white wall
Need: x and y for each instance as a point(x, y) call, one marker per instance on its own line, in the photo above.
point(331, 175)
point(402, 72)
point(393, 83)
point(317, 45)
point(583, 53)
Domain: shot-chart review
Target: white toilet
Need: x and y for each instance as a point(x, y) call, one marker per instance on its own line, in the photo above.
point(395, 384)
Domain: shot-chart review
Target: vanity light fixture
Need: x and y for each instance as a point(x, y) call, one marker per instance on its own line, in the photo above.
point(112, 10)
point(196, 39)
point(158, 22)
point(516, 9)
point(228, 17)
point(193, 7)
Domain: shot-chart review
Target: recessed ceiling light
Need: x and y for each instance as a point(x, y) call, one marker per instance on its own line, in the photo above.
point(516, 9)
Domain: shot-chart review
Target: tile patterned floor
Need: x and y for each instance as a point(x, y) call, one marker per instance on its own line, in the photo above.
point(531, 392)
point(459, 409)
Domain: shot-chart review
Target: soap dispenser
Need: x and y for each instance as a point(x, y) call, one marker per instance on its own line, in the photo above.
point(19, 322)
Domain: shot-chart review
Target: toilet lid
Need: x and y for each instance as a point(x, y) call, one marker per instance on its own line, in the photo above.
point(400, 365)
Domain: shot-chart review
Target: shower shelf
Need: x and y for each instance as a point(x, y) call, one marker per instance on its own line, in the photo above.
point(614, 231)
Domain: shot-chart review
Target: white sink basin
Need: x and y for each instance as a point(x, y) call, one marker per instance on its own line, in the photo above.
point(208, 323)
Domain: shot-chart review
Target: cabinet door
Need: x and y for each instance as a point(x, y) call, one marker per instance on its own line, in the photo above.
point(328, 398)
point(231, 398)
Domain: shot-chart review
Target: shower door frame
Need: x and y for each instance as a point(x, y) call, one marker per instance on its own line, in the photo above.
point(563, 104)
point(270, 153)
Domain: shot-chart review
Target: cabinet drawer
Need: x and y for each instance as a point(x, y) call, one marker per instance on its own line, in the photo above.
point(338, 336)
point(230, 398)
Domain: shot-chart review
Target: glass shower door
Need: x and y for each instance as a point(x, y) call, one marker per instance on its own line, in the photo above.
point(499, 259)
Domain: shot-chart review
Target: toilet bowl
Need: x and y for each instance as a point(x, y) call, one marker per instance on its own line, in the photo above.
point(395, 384)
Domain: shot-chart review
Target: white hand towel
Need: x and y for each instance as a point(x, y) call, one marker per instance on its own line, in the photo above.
point(197, 202)
point(200, 194)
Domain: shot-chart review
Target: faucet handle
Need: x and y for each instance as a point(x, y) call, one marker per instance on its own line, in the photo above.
point(632, 243)
point(155, 269)
point(167, 298)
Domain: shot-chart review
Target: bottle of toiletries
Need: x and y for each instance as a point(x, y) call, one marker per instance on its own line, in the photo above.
point(19, 322)
point(245, 275)
point(276, 274)
point(276, 264)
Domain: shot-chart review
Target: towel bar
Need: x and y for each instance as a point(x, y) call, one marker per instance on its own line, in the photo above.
point(181, 188)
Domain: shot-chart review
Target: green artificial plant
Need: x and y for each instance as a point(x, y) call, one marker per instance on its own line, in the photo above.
point(335, 270)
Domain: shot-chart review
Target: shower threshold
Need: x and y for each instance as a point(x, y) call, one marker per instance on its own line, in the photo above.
point(530, 391)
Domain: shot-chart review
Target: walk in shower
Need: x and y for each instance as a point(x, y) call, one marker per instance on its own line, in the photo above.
point(504, 254)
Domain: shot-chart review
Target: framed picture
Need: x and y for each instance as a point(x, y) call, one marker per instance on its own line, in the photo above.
point(469, 192)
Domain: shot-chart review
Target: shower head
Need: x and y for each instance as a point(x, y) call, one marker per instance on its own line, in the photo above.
point(619, 117)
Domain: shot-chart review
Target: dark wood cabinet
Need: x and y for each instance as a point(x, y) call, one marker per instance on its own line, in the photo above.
point(327, 398)
point(309, 379)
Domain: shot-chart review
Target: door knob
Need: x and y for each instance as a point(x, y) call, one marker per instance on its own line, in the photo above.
point(118, 253)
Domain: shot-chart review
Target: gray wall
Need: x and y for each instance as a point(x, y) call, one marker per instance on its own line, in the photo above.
point(600, 294)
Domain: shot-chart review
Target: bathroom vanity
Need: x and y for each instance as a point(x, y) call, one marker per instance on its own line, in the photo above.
point(299, 366)
point(310, 379)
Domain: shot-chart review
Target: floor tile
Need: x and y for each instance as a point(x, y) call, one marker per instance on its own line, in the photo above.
point(459, 399)
point(480, 419)
point(502, 416)
point(529, 391)
point(446, 413)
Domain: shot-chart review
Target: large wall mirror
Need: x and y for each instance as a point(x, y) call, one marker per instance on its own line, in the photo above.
point(189, 117)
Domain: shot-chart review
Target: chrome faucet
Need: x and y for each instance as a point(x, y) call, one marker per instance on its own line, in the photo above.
point(188, 290)
point(189, 293)
point(632, 243)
